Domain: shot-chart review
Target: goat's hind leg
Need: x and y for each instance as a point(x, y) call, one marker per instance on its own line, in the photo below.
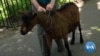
point(81, 37)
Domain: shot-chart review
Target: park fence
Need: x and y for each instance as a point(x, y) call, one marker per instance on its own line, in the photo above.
point(9, 16)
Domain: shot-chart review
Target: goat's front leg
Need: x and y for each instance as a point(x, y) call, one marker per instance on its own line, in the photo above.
point(48, 45)
point(67, 47)
point(73, 37)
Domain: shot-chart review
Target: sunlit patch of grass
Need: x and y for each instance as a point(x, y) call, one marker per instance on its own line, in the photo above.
point(98, 5)
point(87, 33)
point(98, 29)
point(95, 28)
point(1, 30)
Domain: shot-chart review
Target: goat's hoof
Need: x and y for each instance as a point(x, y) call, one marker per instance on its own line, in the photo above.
point(81, 42)
point(69, 54)
point(72, 43)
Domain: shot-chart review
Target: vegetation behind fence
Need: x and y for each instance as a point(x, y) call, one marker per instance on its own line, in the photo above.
point(9, 16)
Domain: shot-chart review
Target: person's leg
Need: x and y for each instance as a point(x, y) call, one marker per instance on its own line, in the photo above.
point(59, 42)
point(41, 37)
point(43, 44)
point(42, 40)
point(60, 45)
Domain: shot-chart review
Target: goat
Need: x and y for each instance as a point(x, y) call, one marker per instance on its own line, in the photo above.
point(62, 22)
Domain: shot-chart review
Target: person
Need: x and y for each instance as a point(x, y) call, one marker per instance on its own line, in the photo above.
point(79, 3)
point(44, 6)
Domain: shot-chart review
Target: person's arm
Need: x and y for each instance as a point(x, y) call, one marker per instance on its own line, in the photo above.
point(35, 3)
point(52, 2)
point(50, 6)
point(38, 7)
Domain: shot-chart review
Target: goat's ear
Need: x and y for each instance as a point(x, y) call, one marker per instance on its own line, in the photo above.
point(34, 14)
point(22, 12)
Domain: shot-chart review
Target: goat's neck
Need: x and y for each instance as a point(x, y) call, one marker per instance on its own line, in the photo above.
point(42, 20)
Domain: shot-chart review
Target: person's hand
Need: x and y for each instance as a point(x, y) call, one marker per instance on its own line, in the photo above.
point(41, 9)
point(49, 7)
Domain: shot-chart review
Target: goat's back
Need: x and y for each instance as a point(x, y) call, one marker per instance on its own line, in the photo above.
point(71, 12)
point(67, 20)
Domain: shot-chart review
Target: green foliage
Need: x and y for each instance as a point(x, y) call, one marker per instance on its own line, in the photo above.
point(61, 2)
point(9, 11)
point(10, 8)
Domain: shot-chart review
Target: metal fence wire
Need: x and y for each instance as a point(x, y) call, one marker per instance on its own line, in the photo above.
point(9, 16)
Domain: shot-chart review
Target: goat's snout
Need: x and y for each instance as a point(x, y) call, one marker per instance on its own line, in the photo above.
point(24, 30)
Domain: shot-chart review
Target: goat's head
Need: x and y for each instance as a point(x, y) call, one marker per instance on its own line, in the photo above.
point(28, 21)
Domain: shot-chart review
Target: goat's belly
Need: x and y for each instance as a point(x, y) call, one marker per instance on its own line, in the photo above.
point(72, 27)
point(57, 34)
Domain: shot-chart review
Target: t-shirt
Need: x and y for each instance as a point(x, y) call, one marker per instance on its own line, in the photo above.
point(43, 1)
